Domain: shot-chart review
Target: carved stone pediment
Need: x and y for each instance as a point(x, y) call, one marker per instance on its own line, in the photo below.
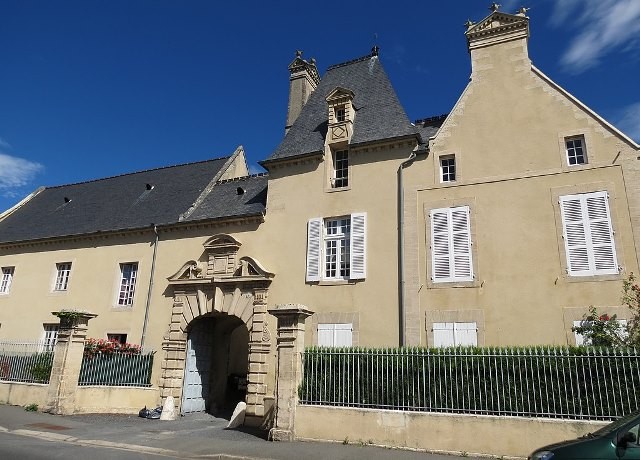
point(497, 27)
point(249, 267)
point(188, 272)
point(340, 93)
point(221, 265)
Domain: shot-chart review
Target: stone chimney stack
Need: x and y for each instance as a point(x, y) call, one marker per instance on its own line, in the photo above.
point(303, 81)
point(498, 40)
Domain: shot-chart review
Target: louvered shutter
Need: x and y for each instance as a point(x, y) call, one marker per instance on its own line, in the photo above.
point(461, 242)
point(465, 334)
point(588, 235)
point(314, 249)
point(443, 335)
point(451, 245)
point(358, 252)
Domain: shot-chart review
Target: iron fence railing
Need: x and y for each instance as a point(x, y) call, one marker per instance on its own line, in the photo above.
point(28, 362)
point(559, 382)
point(117, 369)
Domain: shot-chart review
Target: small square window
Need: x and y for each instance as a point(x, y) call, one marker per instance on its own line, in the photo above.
point(5, 281)
point(63, 271)
point(576, 152)
point(448, 168)
point(335, 335)
point(341, 114)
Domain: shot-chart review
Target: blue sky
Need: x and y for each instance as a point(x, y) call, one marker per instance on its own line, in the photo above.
point(95, 88)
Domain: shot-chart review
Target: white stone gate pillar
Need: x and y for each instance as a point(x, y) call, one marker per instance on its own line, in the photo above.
point(291, 319)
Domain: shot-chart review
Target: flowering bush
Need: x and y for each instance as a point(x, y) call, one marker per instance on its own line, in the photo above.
point(604, 330)
point(93, 347)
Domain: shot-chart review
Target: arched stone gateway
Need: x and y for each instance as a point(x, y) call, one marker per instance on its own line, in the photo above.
point(211, 299)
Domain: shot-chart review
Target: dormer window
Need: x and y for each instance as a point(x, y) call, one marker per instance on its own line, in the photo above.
point(341, 114)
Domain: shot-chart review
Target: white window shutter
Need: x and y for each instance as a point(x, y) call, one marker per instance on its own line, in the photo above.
point(443, 335)
point(461, 243)
point(588, 235)
point(343, 335)
point(451, 258)
point(579, 337)
point(325, 335)
point(440, 251)
point(466, 334)
point(358, 253)
point(314, 249)
point(604, 252)
point(575, 235)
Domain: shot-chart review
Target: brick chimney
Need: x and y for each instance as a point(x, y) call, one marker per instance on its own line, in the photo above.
point(498, 36)
point(303, 81)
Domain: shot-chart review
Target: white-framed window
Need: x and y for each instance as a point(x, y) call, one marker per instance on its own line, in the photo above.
point(340, 174)
point(49, 336)
point(341, 114)
point(336, 248)
point(7, 278)
point(588, 234)
point(335, 335)
point(447, 168)
point(63, 271)
point(581, 340)
point(455, 334)
point(451, 258)
point(128, 276)
point(576, 151)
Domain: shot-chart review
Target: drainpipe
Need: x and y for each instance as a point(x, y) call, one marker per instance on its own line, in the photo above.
point(407, 162)
point(153, 269)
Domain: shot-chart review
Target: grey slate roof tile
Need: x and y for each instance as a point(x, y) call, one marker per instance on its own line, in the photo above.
point(244, 196)
point(120, 203)
point(379, 114)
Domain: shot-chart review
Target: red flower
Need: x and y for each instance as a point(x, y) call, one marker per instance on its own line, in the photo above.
point(604, 317)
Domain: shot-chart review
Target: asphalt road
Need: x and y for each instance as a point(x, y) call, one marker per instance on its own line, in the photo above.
point(35, 435)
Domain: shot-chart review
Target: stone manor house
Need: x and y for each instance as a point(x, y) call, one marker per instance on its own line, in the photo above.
point(497, 224)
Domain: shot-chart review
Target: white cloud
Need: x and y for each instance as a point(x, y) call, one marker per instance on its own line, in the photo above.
point(605, 25)
point(629, 121)
point(16, 172)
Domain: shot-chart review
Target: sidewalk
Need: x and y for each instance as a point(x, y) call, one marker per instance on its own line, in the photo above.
point(194, 436)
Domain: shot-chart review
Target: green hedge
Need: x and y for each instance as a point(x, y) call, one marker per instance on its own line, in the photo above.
point(576, 382)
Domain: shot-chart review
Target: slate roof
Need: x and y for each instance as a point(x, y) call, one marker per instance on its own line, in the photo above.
point(239, 197)
point(379, 114)
point(428, 127)
point(123, 203)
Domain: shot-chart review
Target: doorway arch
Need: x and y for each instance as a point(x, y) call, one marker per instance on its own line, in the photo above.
point(221, 300)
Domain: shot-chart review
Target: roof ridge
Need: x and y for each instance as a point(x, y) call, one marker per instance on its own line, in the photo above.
point(138, 172)
point(431, 119)
point(353, 61)
point(238, 179)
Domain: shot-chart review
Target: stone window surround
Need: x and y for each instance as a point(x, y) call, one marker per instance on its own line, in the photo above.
point(333, 318)
point(455, 316)
point(437, 177)
point(587, 146)
point(329, 161)
point(449, 203)
point(556, 193)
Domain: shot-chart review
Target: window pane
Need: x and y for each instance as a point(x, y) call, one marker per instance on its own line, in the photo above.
point(128, 277)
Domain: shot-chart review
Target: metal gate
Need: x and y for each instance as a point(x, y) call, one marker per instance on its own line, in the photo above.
point(195, 389)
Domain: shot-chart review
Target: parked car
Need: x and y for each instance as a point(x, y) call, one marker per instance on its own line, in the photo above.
point(617, 440)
